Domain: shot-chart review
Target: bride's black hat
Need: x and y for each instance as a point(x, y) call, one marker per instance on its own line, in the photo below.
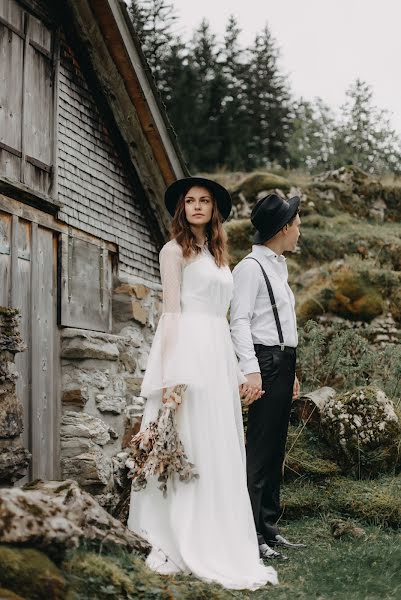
point(179, 187)
point(271, 214)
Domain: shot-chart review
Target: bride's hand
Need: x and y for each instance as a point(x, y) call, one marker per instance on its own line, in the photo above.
point(249, 393)
point(172, 396)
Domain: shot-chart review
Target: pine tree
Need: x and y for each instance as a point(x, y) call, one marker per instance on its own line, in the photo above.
point(155, 21)
point(234, 121)
point(267, 103)
point(365, 137)
point(208, 95)
point(311, 143)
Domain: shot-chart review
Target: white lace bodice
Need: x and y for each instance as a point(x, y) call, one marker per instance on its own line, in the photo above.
point(195, 285)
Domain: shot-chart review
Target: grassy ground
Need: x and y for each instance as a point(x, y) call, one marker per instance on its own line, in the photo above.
point(365, 568)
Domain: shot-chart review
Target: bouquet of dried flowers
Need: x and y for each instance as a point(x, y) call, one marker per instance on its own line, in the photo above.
point(158, 450)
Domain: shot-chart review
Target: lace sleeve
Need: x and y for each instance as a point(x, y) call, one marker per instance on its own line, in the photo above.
point(171, 272)
point(169, 363)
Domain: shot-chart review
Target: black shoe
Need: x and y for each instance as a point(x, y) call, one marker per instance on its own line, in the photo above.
point(284, 543)
point(267, 553)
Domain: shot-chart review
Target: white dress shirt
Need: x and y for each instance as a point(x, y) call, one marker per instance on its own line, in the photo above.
point(251, 314)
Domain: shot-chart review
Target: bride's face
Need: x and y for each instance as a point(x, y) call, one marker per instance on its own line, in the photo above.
point(198, 206)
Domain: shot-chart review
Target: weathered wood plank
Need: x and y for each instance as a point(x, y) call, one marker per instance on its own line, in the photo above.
point(42, 317)
point(14, 288)
point(11, 59)
point(23, 302)
point(85, 285)
point(5, 258)
point(12, 13)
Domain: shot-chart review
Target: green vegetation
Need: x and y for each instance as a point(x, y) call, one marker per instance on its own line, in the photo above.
point(363, 565)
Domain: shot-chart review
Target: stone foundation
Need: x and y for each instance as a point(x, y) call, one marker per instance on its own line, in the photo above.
point(100, 390)
point(14, 458)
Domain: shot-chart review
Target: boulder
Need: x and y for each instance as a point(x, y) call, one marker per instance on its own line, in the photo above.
point(54, 516)
point(363, 430)
point(309, 406)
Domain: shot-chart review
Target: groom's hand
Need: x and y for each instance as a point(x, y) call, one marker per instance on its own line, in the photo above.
point(252, 390)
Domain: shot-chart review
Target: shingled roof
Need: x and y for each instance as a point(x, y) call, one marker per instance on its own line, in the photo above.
point(108, 39)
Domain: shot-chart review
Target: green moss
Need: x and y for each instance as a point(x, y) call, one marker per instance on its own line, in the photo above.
point(240, 233)
point(307, 456)
point(376, 501)
point(9, 595)
point(30, 573)
point(256, 183)
point(93, 569)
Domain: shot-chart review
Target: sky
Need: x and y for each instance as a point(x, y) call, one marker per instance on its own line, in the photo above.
point(325, 44)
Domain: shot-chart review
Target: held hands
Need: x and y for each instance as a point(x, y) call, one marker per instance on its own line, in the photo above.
point(252, 389)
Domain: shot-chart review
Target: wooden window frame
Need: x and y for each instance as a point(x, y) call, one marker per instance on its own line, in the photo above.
point(19, 189)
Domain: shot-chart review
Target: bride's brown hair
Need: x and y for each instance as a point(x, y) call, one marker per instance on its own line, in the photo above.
point(216, 236)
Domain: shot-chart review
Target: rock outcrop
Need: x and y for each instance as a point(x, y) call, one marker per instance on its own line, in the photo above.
point(54, 516)
point(14, 458)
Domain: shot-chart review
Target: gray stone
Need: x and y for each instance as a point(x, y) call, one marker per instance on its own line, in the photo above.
point(89, 468)
point(11, 413)
point(14, 461)
point(90, 347)
point(82, 425)
point(143, 360)
point(110, 404)
point(75, 446)
point(54, 516)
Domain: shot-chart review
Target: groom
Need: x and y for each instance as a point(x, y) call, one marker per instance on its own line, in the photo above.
point(264, 334)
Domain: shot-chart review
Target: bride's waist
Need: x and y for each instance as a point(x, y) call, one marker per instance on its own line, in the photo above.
point(200, 308)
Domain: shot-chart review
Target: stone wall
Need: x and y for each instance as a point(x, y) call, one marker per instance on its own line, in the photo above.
point(101, 380)
point(14, 458)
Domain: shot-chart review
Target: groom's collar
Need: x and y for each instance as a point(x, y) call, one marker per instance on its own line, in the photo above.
point(263, 250)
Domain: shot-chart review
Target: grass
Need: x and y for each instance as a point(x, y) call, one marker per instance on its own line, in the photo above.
point(365, 568)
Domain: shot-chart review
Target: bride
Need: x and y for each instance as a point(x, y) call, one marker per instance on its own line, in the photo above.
point(204, 527)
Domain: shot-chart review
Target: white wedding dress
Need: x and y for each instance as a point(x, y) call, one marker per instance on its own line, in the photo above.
point(204, 527)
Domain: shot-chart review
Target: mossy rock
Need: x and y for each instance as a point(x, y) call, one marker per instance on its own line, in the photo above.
point(349, 291)
point(363, 430)
point(259, 182)
point(31, 574)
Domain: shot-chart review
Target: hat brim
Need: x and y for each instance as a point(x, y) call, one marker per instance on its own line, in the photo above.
point(220, 194)
point(260, 238)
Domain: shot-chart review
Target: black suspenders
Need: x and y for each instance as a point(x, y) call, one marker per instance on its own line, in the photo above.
point(273, 302)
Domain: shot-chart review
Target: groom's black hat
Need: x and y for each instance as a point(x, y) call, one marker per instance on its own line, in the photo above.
point(271, 214)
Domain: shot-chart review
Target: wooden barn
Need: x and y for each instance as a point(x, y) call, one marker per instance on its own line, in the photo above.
point(86, 152)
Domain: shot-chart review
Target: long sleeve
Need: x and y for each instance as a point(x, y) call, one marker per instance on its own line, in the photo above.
point(246, 288)
point(167, 364)
point(171, 274)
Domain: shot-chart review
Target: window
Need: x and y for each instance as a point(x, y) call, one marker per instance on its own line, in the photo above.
point(27, 99)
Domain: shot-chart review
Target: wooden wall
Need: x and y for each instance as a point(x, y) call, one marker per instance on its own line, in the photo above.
point(28, 253)
point(95, 191)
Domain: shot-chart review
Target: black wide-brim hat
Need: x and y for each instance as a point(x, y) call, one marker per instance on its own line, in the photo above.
point(174, 192)
point(271, 214)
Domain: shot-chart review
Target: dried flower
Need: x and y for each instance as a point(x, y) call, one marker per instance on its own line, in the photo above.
point(158, 452)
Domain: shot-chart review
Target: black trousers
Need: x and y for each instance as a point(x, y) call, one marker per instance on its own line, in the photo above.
point(266, 437)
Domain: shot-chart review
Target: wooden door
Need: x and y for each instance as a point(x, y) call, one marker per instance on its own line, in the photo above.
point(28, 261)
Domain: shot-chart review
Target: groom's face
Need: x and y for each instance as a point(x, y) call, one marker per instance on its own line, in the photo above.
point(292, 233)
